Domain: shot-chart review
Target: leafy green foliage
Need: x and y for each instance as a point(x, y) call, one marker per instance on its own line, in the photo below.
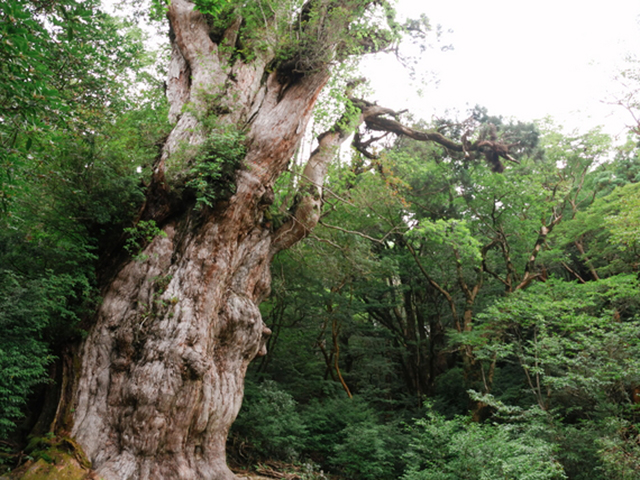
point(541, 384)
point(29, 310)
point(620, 450)
point(350, 436)
point(327, 420)
point(214, 167)
point(577, 347)
point(365, 452)
point(270, 422)
point(63, 65)
point(341, 434)
point(211, 7)
point(572, 341)
point(449, 235)
point(76, 139)
point(625, 225)
point(140, 235)
point(455, 449)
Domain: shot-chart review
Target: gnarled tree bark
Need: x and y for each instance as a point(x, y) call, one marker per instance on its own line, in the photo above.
point(163, 365)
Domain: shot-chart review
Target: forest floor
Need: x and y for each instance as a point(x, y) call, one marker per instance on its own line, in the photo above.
point(247, 475)
point(276, 471)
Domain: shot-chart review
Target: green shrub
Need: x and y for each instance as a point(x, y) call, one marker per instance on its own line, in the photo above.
point(24, 355)
point(139, 236)
point(349, 437)
point(620, 450)
point(269, 423)
point(364, 454)
point(599, 449)
point(326, 422)
point(458, 449)
point(212, 176)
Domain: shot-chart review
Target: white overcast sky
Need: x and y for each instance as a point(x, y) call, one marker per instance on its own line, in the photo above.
point(520, 59)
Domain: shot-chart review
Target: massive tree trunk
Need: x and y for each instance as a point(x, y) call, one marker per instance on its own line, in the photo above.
point(162, 367)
